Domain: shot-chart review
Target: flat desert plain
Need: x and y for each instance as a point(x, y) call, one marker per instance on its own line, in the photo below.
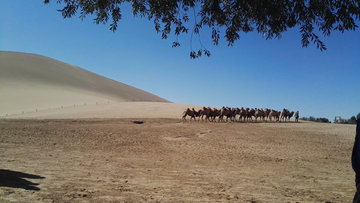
point(167, 160)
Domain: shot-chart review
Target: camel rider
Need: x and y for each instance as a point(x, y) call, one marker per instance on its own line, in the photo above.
point(297, 116)
point(355, 161)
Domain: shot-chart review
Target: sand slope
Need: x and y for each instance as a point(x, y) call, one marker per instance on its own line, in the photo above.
point(30, 83)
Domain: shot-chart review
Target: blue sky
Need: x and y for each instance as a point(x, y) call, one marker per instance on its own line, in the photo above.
point(254, 73)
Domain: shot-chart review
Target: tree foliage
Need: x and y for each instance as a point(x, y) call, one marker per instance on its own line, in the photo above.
point(312, 118)
point(352, 120)
point(269, 17)
point(322, 120)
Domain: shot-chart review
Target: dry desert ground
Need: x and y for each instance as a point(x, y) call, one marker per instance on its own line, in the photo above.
point(167, 160)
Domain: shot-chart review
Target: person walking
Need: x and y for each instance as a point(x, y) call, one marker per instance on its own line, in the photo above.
point(297, 116)
point(355, 162)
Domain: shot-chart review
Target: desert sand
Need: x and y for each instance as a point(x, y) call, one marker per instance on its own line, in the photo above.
point(30, 82)
point(166, 160)
point(62, 140)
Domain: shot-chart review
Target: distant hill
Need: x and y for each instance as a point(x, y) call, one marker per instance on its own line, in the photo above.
point(29, 81)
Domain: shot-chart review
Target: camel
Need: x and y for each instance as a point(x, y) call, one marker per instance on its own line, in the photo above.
point(243, 113)
point(198, 114)
point(250, 114)
point(211, 114)
point(274, 114)
point(258, 113)
point(278, 115)
point(214, 113)
point(236, 111)
point(190, 113)
point(206, 111)
point(266, 114)
point(225, 112)
point(285, 113)
point(290, 115)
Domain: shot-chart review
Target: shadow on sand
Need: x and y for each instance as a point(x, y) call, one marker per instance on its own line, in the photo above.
point(16, 179)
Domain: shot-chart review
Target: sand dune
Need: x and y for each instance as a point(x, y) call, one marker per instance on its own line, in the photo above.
point(43, 86)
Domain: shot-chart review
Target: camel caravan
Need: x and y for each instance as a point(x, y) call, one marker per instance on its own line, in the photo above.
point(237, 114)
